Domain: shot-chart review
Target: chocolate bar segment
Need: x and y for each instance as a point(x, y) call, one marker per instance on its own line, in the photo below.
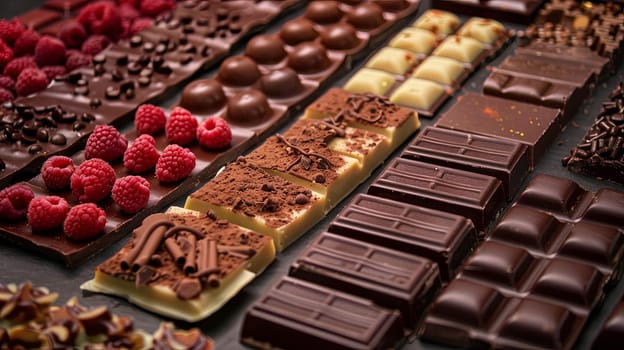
point(612, 331)
point(295, 314)
point(478, 197)
point(440, 236)
point(520, 11)
point(389, 278)
point(504, 159)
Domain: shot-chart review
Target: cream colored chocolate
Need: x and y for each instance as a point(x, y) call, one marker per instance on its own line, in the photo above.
point(253, 198)
point(417, 93)
point(439, 22)
point(459, 48)
point(487, 31)
point(416, 40)
point(392, 60)
point(183, 264)
point(439, 69)
point(370, 80)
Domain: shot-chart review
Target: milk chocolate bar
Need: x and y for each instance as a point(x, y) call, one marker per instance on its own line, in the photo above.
point(299, 314)
point(520, 11)
point(390, 278)
point(440, 236)
point(478, 197)
point(503, 159)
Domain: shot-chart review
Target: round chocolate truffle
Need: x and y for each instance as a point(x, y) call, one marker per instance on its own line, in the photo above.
point(308, 58)
point(392, 5)
point(239, 71)
point(340, 37)
point(281, 83)
point(249, 106)
point(366, 17)
point(324, 12)
point(297, 31)
point(203, 96)
point(266, 49)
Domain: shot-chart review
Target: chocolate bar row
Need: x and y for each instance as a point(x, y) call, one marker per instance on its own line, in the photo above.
point(424, 64)
point(520, 11)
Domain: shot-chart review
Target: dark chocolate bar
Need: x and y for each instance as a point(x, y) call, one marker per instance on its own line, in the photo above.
point(520, 11)
point(612, 331)
point(533, 125)
point(504, 159)
point(478, 197)
point(295, 314)
point(390, 278)
point(443, 237)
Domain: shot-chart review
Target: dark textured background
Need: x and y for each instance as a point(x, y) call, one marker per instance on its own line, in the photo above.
point(17, 265)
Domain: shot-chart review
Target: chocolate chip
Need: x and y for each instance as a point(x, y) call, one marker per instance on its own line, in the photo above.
point(164, 69)
point(161, 49)
point(27, 140)
point(79, 126)
point(202, 22)
point(186, 60)
point(99, 70)
point(34, 149)
point(173, 24)
point(87, 117)
point(112, 93)
point(302, 199)
point(145, 275)
point(42, 135)
point(117, 75)
point(149, 47)
point(319, 178)
point(136, 41)
point(129, 94)
point(134, 68)
point(58, 139)
point(146, 72)
point(81, 91)
point(95, 103)
point(126, 85)
point(211, 215)
point(2, 165)
point(144, 81)
point(99, 59)
point(188, 288)
point(30, 127)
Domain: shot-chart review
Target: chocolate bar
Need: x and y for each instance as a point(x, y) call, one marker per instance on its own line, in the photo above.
point(612, 330)
point(530, 124)
point(503, 159)
point(478, 197)
point(520, 11)
point(390, 278)
point(439, 236)
point(295, 313)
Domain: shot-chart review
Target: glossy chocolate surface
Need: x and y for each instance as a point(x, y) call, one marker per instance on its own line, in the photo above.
point(610, 335)
point(478, 197)
point(521, 11)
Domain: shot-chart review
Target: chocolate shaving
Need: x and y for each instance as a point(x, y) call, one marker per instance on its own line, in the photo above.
point(208, 262)
point(146, 246)
point(190, 265)
point(176, 252)
point(188, 288)
point(145, 275)
point(304, 156)
point(172, 231)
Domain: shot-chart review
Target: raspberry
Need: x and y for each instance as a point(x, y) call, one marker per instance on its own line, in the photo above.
point(174, 164)
point(26, 43)
point(139, 24)
point(56, 172)
point(149, 119)
point(142, 155)
point(14, 201)
point(92, 181)
point(84, 221)
point(102, 17)
point(11, 30)
point(128, 12)
point(153, 8)
point(47, 212)
point(31, 80)
point(76, 59)
point(17, 65)
point(131, 193)
point(133, 3)
point(5, 95)
point(94, 44)
point(54, 71)
point(105, 143)
point(50, 52)
point(7, 83)
point(214, 133)
point(181, 126)
point(6, 54)
point(73, 34)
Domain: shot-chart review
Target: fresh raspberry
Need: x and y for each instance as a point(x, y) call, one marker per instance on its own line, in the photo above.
point(56, 172)
point(47, 212)
point(84, 221)
point(154, 8)
point(181, 126)
point(175, 164)
point(5, 95)
point(17, 65)
point(31, 80)
point(131, 193)
point(73, 34)
point(6, 54)
point(50, 52)
point(128, 12)
point(11, 30)
point(94, 44)
point(142, 155)
point(26, 43)
point(149, 119)
point(105, 143)
point(14, 201)
point(54, 71)
point(76, 59)
point(7, 83)
point(92, 181)
point(133, 3)
point(214, 133)
point(101, 17)
point(139, 24)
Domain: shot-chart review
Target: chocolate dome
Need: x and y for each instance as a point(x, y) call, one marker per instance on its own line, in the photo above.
point(239, 71)
point(203, 96)
point(340, 37)
point(366, 17)
point(308, 58)
point(266, 49)
point(324, 12)
point(297, 31)
point(248, 106)
point(281, 83)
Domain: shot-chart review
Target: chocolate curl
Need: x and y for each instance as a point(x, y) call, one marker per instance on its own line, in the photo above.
point(243, 251)
point(141, 240)
point(176, 252)
point(190, 265)
point(172, 231)
point(209, 261)
point(151, 245)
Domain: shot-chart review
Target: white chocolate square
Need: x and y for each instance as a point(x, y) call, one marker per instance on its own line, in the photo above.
point(485, 30)
point(370, 80)
point(438, 22)
point(417, 93)
point(392, 60)
point(414, 39)
point(460, 48)
point(439, 69)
